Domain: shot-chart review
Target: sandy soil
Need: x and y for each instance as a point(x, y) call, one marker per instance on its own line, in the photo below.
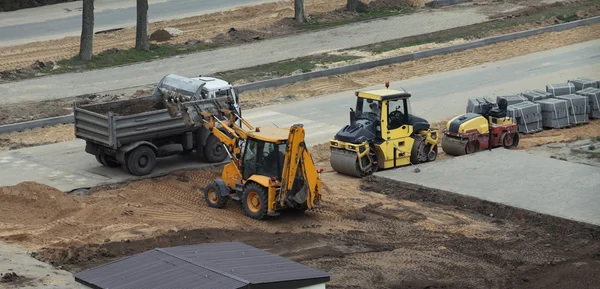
point(363, 238)
point(203, 28)
point(435, 64)
point(37, 136)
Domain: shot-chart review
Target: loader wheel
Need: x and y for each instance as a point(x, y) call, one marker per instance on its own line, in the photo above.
point(509, 140)
point(255, 201)
point(141, 161)
point(214, 151)
point(214, 196)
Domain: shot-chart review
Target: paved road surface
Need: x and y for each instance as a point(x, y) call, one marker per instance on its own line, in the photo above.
point(520, 179)
point(207, 62)
point(61, 20)
point(436, 97)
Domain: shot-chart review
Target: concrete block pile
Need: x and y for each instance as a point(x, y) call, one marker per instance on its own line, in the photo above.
point(593, 100)
point(559, 89)
point(527, 115)
point(475, 105)
point(512, 99)
point(535, 95)
point(554, 113)
point(577, 108)
point(581, 83)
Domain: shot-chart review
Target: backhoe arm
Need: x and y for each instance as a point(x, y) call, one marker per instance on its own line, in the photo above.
point(298, 160)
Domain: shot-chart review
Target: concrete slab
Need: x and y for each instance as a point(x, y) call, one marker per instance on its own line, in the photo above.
point(514, 178)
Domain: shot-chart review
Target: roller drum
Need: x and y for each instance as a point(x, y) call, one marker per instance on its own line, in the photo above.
point(454, 146)
point(345, 162)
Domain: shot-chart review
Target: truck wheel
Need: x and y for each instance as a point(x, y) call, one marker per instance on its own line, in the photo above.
point(213, 151)
point(214, 196)
point(141, 161)
point(255, 201)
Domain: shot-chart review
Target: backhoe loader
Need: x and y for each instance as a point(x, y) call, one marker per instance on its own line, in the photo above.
point(382, 134)
point(270, 169)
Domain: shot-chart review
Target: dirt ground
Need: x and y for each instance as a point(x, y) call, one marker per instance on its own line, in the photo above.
point(198, 28)
point(364, 238)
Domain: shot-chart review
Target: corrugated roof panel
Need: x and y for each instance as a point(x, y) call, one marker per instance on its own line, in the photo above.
point(230, 265)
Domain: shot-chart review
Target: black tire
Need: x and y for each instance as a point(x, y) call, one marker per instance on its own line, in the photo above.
point(109, 161)
point(432, 155)
point(98, 158)
point(141, 161)
point(213, 195)
point(416, 153)
point(255, 201)
point(214, 151)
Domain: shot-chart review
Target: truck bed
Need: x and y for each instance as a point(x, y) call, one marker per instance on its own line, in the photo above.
point(119, 123)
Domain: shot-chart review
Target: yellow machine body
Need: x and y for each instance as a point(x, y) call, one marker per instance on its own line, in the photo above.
point(406, 141)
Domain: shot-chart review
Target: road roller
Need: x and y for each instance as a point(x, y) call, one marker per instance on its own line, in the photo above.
point(382, 134)
point(472, 132)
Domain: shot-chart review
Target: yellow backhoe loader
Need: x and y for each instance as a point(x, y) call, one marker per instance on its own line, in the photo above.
point(270, 169)
point(382, 134)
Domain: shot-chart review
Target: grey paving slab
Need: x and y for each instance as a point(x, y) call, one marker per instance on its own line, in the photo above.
point(514, 178)
point(207, 62)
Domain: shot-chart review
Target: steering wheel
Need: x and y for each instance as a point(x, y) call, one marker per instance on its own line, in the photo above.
point(396, 115)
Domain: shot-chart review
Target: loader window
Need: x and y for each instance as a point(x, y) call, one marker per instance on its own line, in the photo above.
point(263, 158)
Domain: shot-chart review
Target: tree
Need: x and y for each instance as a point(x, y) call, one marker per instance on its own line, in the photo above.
point(87, 31)
point(352, 5)
point(141, 31)
point(299, 9)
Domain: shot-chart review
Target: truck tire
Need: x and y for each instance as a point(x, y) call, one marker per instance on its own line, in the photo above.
point(109, 161)
point(141, 161)
point(214, 151)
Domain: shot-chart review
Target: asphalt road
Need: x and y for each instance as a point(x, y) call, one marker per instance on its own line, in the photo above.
point(435, 97)
point(60, 20)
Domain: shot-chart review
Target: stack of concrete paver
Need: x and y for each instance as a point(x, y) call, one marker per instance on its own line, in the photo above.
point(558, 89)
point(535, 95)
point(577, 108)
point(593, 100)
point(554, 113)
point(475, 105)
point(512, 99)
point(527, 115)
point(581, 83)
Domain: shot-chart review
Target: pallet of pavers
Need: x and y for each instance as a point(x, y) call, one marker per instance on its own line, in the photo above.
point(535, 95)
point(593, 100)
point(577, 108)
point(475, 105)
point(554, 113)
point(581, 83)
point(559, 89)
point(527, 115)
point(512, 99)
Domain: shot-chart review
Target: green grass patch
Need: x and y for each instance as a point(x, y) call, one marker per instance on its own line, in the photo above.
point(283, 68)
point(124, 57)
point(362, 16)
point(565, 13)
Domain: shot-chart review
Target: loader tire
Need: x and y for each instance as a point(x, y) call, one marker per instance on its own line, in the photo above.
point(214, 151)
point(141, 161)
point(255, 201)
point(214, 196)
point(432, 155)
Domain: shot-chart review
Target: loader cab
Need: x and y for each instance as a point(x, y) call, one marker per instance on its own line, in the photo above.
point(264, 153)
point(388, 108)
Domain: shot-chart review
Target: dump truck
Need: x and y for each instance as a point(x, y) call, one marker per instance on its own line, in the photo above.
point(133, 133)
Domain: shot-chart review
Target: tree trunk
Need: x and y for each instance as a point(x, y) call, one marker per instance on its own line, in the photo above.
point(299, 9)
point(352, 5)
point(87, 31)
point(141, 32)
